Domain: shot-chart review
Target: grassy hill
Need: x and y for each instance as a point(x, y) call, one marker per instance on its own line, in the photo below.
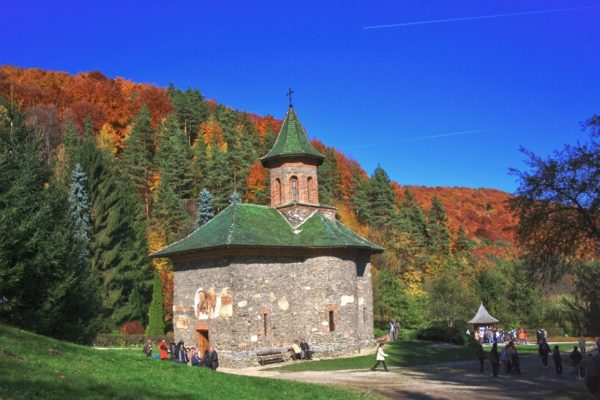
point(37, 367)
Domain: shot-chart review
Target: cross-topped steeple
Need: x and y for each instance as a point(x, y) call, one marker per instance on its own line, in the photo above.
point(292, 164)
point(289, 94)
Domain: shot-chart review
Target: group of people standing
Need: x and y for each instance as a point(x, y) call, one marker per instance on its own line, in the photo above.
point(509, 357)
point(178, 353)
point(497, 335)
point(586, 365)
point(301, 350)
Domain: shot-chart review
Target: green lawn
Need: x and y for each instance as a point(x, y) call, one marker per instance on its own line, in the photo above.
point(36, 367)
point(403, 354)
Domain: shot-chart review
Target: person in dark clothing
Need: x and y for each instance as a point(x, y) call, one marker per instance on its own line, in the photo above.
point(513, 356)
point(495, 359)
point(206, 359)
point(148, 349)
point(306, 354)
point(504, 359)
point(181, 354)
point(196, 362)
point(576, 357)
point(544, 351)
point(173, 351)
point(557, 360)
point(480, 356)
point(214, 359)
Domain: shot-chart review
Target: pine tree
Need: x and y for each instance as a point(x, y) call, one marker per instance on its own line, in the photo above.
point(119, 264)
point(218, 181)
point(382, 199)
point(462, 243)
point(205, 208)
point(156, 323)
point(83, 299)
point(40, 284)
point(360, 197)
point(173, 158)
point(329, 178)
point(408, 234)
point(191, 110)
point(234, 198)
point(169, 215)
point(200, 164)
point(138, 152)
point(79, 209)
point(71, 141)
point(437, 229)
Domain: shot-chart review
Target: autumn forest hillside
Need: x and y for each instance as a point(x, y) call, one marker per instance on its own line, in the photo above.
point(53, 97)
point(116, 170)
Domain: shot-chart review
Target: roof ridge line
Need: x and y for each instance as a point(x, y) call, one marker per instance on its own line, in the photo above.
point(335, 233)
point(291, 110)
point(186, 236)
point(364, 239)
point(307, 218)
point(230, 234)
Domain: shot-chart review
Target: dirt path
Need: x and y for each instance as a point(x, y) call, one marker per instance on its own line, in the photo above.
point(457, 380)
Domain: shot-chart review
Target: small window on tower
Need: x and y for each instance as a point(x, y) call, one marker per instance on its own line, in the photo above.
point(277, 193)
point(294, 187)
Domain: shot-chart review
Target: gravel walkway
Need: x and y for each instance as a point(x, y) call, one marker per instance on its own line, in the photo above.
point(456, 380)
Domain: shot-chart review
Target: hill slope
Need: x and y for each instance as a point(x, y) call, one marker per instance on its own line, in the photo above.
point(112, 104)
point(35, 367)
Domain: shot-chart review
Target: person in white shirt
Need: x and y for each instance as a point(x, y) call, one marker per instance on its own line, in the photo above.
point(380, 358)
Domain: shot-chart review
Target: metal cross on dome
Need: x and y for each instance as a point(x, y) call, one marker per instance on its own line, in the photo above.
point(289, 94)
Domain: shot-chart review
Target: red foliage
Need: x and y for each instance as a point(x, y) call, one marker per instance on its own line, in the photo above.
point(265, 124)
point(257, 180)
point(105, 100)
point(132, 328)
point(482, 213)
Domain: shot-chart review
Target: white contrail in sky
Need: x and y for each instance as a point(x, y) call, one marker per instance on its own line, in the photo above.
point(435, 21)
point(416, 139)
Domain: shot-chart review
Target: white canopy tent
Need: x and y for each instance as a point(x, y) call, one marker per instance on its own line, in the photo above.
point(482, 317)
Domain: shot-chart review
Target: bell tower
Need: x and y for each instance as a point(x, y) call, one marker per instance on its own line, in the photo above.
point(292, 164)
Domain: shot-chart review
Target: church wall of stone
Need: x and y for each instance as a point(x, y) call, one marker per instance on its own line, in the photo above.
point(295, 294)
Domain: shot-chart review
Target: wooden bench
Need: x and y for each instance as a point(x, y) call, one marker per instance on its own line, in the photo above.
point(270, 357)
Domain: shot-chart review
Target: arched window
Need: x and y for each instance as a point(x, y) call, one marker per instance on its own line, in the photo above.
point(294, 188)
point(277, 191)
point(310, 189)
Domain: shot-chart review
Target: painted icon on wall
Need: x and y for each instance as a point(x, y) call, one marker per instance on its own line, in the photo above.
point(208, 304)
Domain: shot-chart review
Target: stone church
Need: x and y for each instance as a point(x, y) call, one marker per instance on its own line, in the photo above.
point(256, 278)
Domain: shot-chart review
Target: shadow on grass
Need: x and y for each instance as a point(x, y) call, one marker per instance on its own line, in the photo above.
point(535, 382)
point(15, 389)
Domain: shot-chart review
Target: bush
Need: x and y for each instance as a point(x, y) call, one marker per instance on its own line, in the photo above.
point(442, 334)
point(407, 334)
point(108, 340)
point(132, 328)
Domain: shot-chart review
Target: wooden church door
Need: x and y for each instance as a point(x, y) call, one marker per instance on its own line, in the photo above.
point(202, 341)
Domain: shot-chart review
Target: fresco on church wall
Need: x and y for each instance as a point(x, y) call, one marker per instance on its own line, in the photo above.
point(209, 304)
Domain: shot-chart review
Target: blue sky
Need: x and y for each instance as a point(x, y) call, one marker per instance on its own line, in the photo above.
point(435, 104)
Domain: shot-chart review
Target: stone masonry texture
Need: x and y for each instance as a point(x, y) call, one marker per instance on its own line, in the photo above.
point(276, 300)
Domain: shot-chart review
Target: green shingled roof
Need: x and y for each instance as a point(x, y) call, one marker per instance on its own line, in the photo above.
point(262, 226)
point(292, 141)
